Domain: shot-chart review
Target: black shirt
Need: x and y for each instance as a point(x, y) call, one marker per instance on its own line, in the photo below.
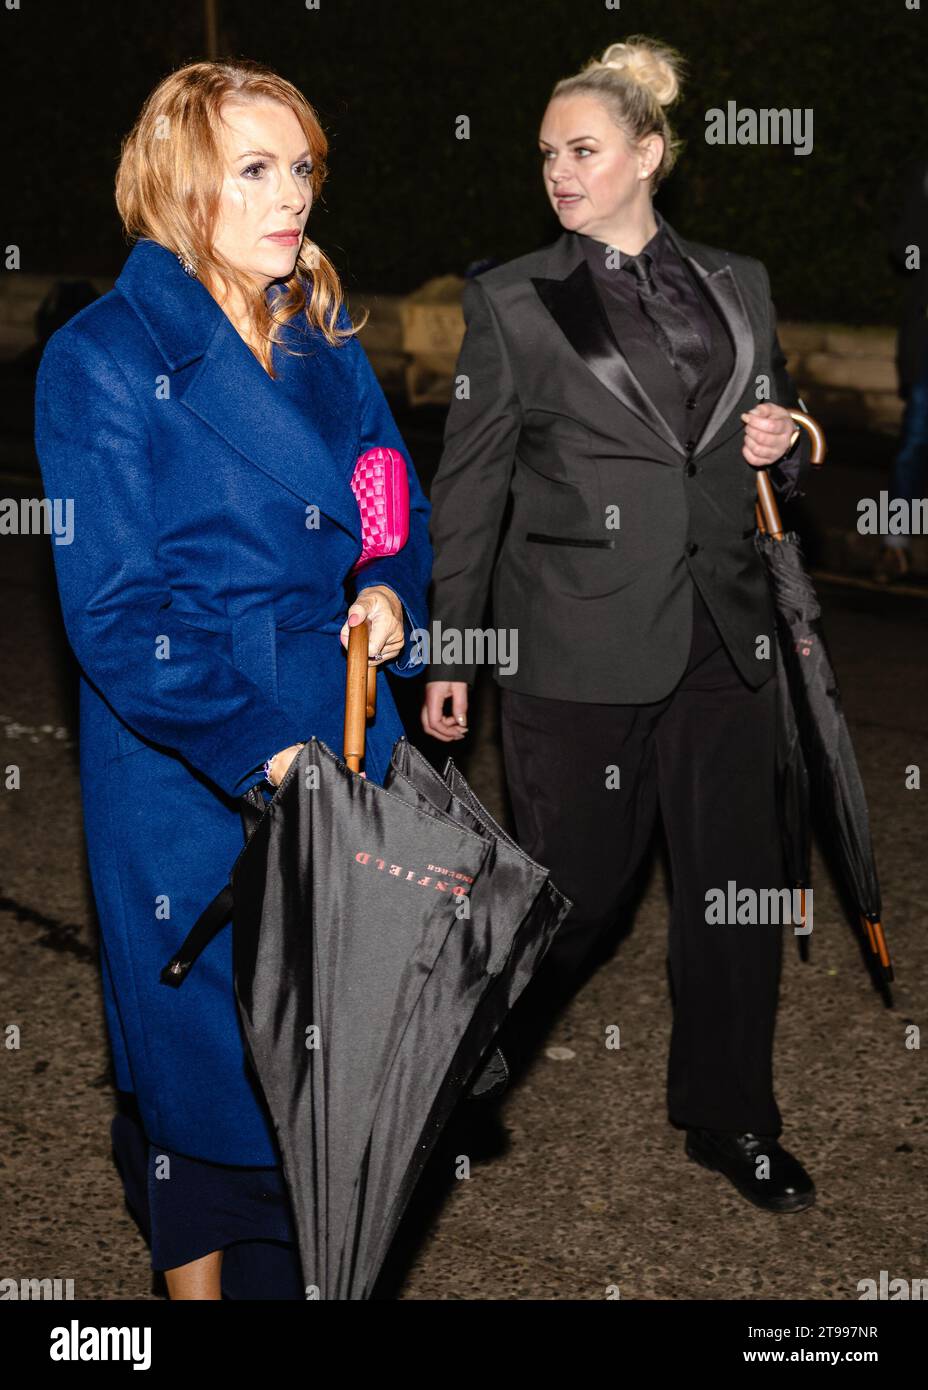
point(670, 275)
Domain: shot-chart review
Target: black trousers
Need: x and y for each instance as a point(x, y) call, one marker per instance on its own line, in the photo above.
point(703, 757)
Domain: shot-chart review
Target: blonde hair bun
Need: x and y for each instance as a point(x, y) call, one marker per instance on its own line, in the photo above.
point(635, 81)
point(649, 64)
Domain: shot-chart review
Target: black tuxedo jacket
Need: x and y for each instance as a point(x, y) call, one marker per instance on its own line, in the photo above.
point(565, 489)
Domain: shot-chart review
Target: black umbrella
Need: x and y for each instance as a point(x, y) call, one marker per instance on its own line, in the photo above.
point(792, 777)
point(815, 755)
point(380, 936)
point(412, 775)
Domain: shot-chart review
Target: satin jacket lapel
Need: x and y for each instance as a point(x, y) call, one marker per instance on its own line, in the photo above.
point(726, 293)
point(575, 306)
point(229, 390)
point(571, 298)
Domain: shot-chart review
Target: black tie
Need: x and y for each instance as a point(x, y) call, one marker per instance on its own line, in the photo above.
point(681, 342)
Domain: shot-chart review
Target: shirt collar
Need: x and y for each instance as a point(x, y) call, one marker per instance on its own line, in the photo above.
point(595, 251)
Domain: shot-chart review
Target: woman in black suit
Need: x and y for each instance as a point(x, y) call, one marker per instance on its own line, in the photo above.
point(623, 385)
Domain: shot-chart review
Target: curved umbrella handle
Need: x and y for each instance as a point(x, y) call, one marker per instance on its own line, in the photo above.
point(819, 447)
point(360, 694)
point(768, 513)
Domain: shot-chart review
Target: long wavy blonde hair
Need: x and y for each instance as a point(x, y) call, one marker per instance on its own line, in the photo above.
point(169, 182)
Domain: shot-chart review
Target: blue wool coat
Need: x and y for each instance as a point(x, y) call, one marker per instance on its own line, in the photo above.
point(203, 594)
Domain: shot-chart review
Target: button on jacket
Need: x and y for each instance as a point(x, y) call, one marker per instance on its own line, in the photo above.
point(203, 594)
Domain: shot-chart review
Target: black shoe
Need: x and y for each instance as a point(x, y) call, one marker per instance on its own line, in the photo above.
point(787, 1187)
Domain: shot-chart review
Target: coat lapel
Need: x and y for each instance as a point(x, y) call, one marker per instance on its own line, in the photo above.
point(576, 309)
point(570, 296)
point(228, 389)
point(722, 287)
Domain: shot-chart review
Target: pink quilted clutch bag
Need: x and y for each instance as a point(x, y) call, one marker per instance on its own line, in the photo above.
point(380, 484)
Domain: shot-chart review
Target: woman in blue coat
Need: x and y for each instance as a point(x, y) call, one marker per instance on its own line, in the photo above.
point(205, 418)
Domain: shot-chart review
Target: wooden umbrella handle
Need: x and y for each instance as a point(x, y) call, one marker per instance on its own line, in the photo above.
point(767, 511)
point(360, 694)
point(819, 447)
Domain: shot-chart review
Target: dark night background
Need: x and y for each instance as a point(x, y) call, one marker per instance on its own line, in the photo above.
point(406, 200)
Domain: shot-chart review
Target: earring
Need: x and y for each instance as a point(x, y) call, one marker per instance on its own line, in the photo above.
point(188, 266)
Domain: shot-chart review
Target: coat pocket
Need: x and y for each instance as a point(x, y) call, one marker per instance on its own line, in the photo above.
point(200, 633)
point(540, 538)
point(127, 742)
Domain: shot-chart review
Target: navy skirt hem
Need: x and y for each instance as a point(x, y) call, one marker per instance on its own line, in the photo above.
point(188, 1207)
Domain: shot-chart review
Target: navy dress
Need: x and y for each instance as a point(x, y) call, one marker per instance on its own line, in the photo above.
point(188, 1207)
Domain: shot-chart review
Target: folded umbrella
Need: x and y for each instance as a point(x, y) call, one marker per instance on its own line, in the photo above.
point(792, 778)
point(452, 795)
point(816, 759)
point(412, 775)
point(379, 935)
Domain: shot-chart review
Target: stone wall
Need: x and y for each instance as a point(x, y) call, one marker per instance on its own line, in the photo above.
point(846, 375)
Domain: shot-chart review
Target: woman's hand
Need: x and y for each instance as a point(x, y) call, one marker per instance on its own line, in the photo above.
point(385, 611)
point(447, 727)
point(277, 768)
point(768, 433)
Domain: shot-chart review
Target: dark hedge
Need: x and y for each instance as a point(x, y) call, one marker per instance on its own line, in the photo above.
point(407, 200)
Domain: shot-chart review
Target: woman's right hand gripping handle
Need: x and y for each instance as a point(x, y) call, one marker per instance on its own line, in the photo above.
point(277, 767)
